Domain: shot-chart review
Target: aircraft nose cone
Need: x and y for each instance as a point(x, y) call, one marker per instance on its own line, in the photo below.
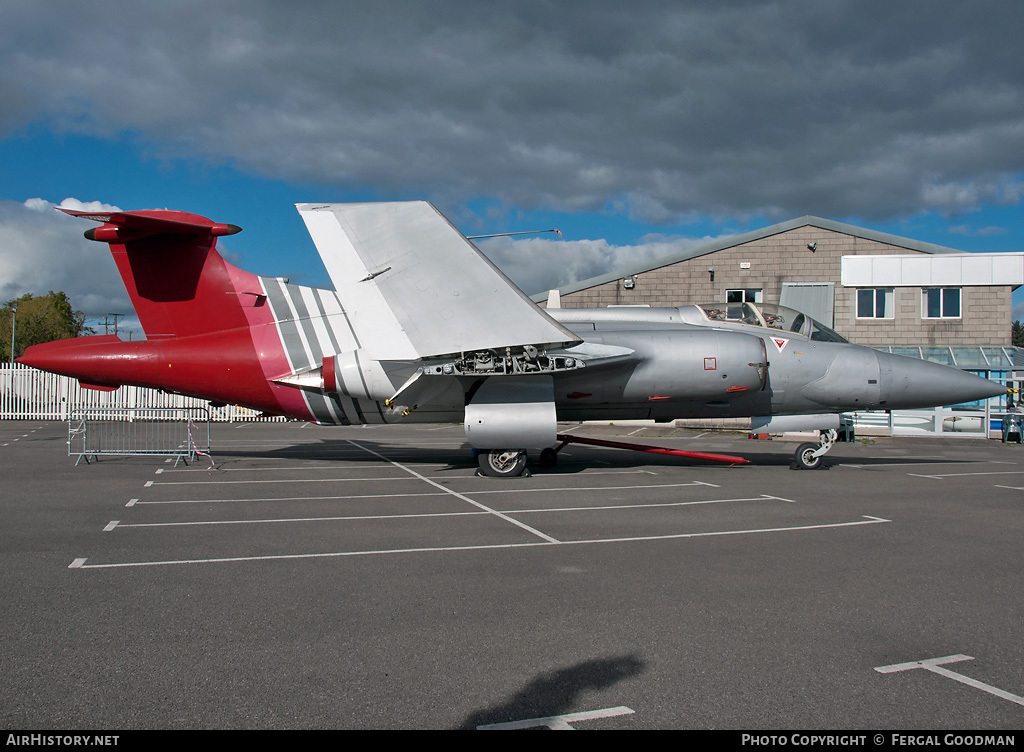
point(920, 383)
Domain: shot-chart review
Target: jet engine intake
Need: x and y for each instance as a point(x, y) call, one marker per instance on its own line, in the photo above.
point(699, 365)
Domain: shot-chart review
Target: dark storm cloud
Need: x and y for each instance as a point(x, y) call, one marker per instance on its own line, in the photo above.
point(661, 110)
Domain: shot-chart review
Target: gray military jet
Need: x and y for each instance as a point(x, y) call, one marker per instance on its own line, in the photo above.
point(423, 328)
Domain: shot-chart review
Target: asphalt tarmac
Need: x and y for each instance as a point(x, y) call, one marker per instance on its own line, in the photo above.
point(366, 578)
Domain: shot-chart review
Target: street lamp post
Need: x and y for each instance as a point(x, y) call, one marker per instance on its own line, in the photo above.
point(14, 309)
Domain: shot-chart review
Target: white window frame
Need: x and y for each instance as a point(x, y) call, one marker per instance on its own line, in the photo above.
point(943, 292)
point(758, 294)
point(889, 304)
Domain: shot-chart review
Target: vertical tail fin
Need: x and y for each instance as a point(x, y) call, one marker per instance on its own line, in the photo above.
point(177, 281)
point(209, 329)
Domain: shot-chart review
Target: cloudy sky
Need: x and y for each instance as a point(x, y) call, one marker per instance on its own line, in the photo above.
point(637, 128)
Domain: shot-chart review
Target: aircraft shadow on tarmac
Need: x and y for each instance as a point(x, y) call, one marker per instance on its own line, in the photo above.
point(578, 460)
point(558, 692)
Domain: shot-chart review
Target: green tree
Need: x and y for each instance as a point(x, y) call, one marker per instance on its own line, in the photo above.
point(1017, 336)
point(37, 320)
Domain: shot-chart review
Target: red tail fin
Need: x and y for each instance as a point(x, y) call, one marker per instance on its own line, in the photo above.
point(177, 281)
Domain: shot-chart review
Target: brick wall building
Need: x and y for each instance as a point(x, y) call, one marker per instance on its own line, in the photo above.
point(800, 264)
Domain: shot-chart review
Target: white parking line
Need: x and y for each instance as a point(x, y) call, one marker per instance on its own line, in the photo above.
point(869, 465)
point(468, 500)
point(296, 498)
point(959, 475)
point(271, 480)
point(540, 510)
point(571, 489)
point(557, 722)
point(934, 665)
point(80, 563)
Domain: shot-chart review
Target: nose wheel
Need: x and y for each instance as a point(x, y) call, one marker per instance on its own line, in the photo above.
point(808, 456)
point(502, 463)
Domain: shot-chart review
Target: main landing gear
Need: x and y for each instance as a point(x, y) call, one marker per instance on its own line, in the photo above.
point(808, 456)
point(502, 463)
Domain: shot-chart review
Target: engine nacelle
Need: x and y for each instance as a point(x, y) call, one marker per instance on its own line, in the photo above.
point(698, 365)
point(354, 375)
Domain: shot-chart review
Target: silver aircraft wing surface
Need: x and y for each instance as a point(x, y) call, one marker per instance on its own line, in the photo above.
point(413, 286)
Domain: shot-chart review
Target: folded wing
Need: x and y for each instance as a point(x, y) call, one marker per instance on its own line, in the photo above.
point(413, 286)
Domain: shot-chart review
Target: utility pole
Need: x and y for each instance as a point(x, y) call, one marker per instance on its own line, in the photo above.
point(115, 315)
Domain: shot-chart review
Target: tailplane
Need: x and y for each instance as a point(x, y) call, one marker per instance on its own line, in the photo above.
point(209, 329)
point(177, 281)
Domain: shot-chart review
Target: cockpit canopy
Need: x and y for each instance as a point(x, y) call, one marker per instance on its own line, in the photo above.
point(770, 316)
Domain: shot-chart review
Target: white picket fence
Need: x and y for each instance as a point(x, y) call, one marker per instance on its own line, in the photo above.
point(30, 394)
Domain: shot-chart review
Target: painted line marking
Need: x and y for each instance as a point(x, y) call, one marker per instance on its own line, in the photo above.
point(957, 475)
point(276, 480)
point(132, 502)
point(541, 510)
point(918, 464)
point(79, 563)
point(76, 564)
point(431, 493)
point(110, 526)
point(148, 484)
point(1012, 488)
point(934, 665)
point(558, 722)
point(334, 468)
point(457, 495)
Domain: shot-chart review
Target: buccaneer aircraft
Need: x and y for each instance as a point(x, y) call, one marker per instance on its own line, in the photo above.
point(421, 327)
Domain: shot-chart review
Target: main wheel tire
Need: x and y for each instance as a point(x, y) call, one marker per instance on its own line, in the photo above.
point(502, 463)
point(805, 459)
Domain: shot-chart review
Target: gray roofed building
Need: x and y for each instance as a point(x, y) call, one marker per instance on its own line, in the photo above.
point(883, 297)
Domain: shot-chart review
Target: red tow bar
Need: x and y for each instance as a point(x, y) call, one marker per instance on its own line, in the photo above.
point(726, 458)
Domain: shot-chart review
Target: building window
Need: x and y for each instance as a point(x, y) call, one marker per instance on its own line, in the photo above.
point(742, 296)
point(875, 303)
point(940, 303)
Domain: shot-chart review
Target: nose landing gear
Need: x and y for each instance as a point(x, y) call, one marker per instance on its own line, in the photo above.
point(808, 456)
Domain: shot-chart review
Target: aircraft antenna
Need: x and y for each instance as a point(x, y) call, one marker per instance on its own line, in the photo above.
point(506, 234)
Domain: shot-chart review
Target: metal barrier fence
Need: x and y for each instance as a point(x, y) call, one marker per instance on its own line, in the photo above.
point(179, 432)
point(29, 394)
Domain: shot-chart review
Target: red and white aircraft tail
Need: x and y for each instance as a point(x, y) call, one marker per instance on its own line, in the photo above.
point(413, 287)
